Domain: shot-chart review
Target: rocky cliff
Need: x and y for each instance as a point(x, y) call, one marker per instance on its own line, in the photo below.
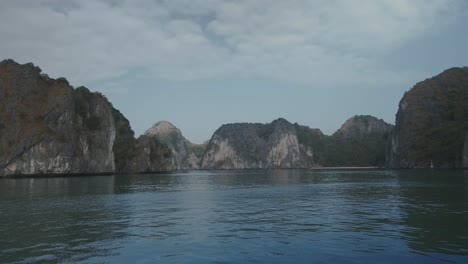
point(280, 144)
point(246, 145)
point(46, 126)
point(149, 155)
point(187, 155)
point(142, 155)
point(431, 123)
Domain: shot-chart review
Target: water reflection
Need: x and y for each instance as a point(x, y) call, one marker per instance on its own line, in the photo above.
point(435, 206)
point(217, 180)
point(272, 216)
point(56, 186)
point(59, 219)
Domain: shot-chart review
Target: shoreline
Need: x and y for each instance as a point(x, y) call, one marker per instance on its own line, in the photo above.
point(348, 168)
point(53, 175)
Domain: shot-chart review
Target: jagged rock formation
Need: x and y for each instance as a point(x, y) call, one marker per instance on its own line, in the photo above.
point(280, 144)
point(149, 155)
point(125, 143)
point(145, 154)
point(245, 145)
point(361, 126)
point(431, 123)
point(187, 155)
point(46, 126)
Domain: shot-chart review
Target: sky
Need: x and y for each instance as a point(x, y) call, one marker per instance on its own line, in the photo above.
point(203, 63)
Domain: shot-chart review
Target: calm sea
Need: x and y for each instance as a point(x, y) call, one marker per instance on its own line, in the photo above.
point(276, 216)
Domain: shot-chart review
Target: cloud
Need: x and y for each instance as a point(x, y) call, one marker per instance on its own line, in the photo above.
point(314, 42)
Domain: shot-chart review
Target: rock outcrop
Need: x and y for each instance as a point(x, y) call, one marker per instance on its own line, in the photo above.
point(187, 155)
point(280, 144)
point(125, 143)
point(246, 146)
point(47, 127)
point(142, 155)
point(149, 155)
point(431, 123)
point(361, 126)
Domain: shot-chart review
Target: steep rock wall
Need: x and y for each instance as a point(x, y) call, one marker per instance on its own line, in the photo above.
point(431, 123)
point(246, 146)
point(47, 127)
point(187, 155)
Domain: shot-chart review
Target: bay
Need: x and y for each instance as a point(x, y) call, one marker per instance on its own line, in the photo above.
point(252, 216)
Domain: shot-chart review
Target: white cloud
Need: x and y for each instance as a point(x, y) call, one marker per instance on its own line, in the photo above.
point(315, 42)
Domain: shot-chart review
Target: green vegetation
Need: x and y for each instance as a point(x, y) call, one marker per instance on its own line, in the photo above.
point(172, 138)
point(369, 151)
point(265, 131)
point(125, 142)
point(124, 147)
point(197, 149)
point(337, 150)
point(182, 147)
point(360, 142)
point(357, 149)
point(82, 97)
point(310, 137)
point(432, 121)
point(158, 150)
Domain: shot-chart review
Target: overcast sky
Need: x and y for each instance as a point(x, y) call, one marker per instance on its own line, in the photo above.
point(202, 63)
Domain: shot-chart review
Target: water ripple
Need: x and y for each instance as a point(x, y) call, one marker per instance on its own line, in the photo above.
point(237, 217)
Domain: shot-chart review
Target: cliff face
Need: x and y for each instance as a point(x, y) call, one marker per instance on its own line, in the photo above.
point(145, 154)
point(280, 144)
point(187, 155)
point(125, 143)
point(431, 123)
point(149, 155)
point(243, 146)
point(46, 126)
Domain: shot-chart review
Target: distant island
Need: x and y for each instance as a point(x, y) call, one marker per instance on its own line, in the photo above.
point(47, 127)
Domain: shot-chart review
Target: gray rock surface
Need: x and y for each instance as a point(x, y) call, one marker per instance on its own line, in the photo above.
point(142, 155)
point(149, 155)
point(280, 144)
point(361, 126)
point(47, 127)
point(246, 146)
point(187, 155)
